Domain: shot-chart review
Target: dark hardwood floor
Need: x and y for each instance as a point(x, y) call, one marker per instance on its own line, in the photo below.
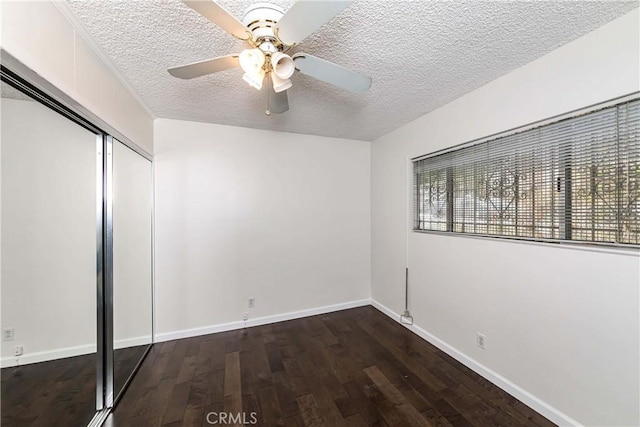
point(354, 367)
point(124, 362)
point(59, 392)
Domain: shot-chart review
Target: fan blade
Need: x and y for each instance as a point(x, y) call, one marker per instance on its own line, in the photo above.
point(203, 68)
point(219, 16)
point(305, 17)
point(331, 73)
point(278, 101)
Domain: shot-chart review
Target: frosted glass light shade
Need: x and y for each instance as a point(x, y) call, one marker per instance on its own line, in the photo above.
point(254, 79)
point(282, 65)
point(251, 60)
point(279, 84)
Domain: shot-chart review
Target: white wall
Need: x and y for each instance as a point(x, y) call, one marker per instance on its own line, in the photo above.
point(241, 213)
point(561, 323)
point(39, 36)
point(48, 233)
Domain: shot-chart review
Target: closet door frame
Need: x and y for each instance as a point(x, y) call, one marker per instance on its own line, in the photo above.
point(107, 213)
point(100, 273)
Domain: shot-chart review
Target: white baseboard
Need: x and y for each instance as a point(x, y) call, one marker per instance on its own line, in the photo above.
point(61, 353)
point(222, 327)
point(132, 342)
point(45, 356)
point(519, 393)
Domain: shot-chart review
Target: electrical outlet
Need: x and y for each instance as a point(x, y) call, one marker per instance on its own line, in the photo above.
point(252, 302)
point(481, 340)
point(7, 334)
point(18, 351)
point(245, 316)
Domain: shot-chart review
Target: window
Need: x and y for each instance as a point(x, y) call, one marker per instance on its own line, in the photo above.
point(576, 179)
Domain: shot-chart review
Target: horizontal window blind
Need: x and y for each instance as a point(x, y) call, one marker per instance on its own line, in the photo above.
point(575, 179)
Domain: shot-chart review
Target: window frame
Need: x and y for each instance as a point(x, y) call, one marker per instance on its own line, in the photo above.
point(562, 218)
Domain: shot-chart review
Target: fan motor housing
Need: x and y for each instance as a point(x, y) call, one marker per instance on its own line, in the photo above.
point(261, 19)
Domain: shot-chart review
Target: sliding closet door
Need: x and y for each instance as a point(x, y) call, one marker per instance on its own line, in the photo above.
point(48, 265)
point(132, 268)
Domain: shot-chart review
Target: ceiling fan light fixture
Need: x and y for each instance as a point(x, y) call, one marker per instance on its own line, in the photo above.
point(279, 84)
point(254, 79)
point(282, 65)
point(270, 31)
point(252, 60)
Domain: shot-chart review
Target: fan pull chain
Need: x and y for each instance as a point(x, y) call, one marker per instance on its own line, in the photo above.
point(268, 111)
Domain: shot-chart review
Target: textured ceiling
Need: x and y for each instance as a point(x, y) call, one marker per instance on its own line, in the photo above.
point(420, 55)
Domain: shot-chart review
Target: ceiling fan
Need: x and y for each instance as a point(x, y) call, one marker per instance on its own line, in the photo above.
point(270, 33)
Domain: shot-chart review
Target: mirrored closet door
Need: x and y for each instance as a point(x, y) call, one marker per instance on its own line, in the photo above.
point(49, 166)
point(76, 260)
point(132, 264)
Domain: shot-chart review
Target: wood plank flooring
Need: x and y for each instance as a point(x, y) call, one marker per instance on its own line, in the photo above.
point(63, 390)
point(349, 368)
point(59, 392)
